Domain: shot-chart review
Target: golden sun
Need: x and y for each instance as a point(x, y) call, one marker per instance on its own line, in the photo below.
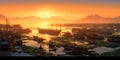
point(45, 14)
point(44, 24)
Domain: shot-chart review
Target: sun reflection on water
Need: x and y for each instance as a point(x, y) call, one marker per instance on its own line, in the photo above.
point(34, 32)
point(44, 25)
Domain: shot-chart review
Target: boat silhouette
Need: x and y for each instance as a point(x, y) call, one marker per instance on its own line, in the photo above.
point(49, 31)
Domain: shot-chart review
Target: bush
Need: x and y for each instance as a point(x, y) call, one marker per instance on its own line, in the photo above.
point(104, 43)
point(34, 51)
point(114, 53)
point(98, 42)
point(113, 45)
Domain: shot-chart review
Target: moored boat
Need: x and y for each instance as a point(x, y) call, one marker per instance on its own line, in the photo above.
point(49, 31)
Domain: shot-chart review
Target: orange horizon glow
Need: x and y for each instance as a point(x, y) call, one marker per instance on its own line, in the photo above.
point(44, 25)
point(69, 11)
point(63, 13)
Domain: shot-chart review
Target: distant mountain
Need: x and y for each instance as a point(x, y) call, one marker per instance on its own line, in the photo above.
point(98, 19)
point(37, 21)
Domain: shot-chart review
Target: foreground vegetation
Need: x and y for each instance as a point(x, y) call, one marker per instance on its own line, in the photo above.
point(113, 53)
point(36, 51)
point(100, 43)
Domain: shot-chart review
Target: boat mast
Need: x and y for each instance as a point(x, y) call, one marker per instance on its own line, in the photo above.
point(60, 30)
point(60, 27)
point(7, 24)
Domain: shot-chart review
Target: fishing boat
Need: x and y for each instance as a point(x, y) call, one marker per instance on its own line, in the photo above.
point(49, 31)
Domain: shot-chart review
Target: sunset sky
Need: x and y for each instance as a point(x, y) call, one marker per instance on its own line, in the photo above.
point(67, 9)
